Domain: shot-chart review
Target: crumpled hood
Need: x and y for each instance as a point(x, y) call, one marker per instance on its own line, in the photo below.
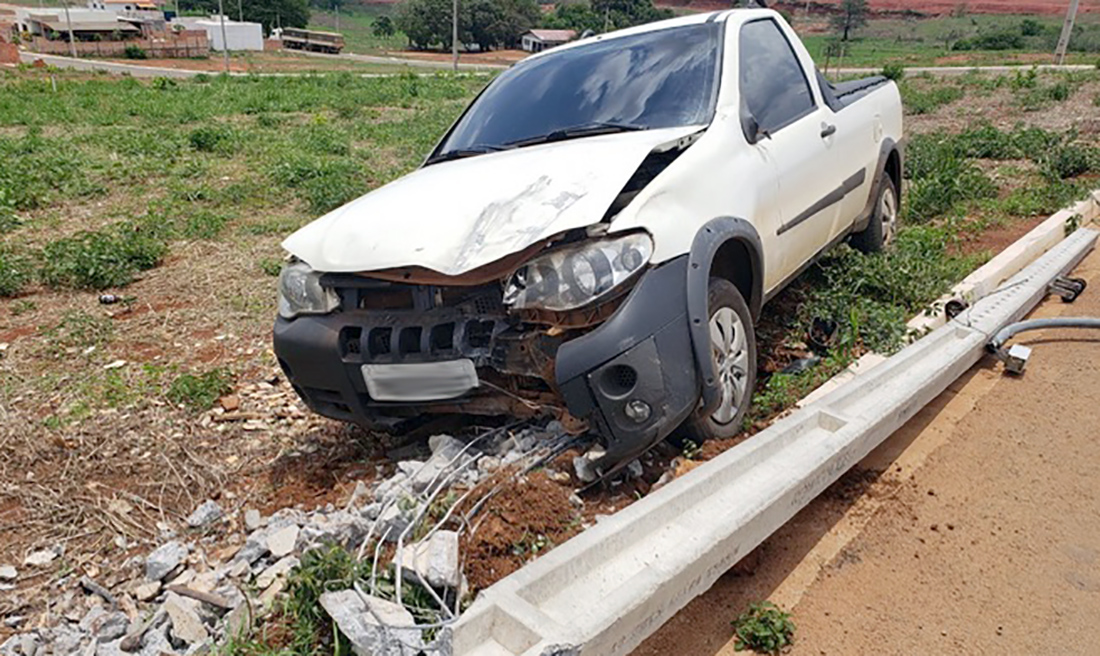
point(456, 216)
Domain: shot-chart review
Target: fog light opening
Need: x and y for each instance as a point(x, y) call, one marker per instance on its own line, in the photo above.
point(638, 410)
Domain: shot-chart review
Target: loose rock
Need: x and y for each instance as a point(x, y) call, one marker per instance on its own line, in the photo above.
point(186, 625)
point(436, 560)
point(281, 542)
point(279, 569)
point(8, 573)
point(348, 609)
point(40, 558)
point(207, 513)
point(252, 519)
point(166, 558)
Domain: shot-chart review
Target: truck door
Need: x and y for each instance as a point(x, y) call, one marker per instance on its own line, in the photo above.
point(780, 115)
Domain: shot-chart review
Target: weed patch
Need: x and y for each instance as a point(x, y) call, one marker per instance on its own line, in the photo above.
point(199, 392)
point(16, 271)
point(764, 628)
point(99, 259)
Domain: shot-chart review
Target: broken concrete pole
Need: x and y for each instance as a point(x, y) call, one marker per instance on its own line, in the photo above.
point(166, 558)
point(207, 513)
point(435, 559)
point(396, 636)
point(186, 624)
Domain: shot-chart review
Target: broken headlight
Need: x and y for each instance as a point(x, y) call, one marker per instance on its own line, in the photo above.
point(575, 276)
point(300, 292)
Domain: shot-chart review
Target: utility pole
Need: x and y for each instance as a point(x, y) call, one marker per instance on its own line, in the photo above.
point(225, 42)
point(69, 23)
point(1067, 29)
point(454, 34)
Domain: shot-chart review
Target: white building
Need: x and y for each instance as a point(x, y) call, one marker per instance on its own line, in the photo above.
point(238, 35)
point(539, 40)
point(119, 6)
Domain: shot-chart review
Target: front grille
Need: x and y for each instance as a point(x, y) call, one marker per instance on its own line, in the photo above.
point(396, 322)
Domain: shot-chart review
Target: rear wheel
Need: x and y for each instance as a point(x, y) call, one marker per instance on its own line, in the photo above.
point(733, 352)
point(883, 227)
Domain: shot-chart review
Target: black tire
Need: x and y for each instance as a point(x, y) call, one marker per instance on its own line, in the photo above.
point(877, 235)
point(699, 428)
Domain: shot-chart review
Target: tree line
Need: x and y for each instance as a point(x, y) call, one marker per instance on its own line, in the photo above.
point(491, 24)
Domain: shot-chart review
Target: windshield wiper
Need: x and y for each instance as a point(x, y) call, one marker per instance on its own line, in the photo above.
point(575, 132)
point(459, 153)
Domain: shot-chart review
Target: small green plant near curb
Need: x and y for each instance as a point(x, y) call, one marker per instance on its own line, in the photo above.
point(893, 71)
point(16, 271)
point(199, 392)
point(764, 628)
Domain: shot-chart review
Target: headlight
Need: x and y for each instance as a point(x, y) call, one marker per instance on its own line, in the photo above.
point(575, 276)
point(300, 292)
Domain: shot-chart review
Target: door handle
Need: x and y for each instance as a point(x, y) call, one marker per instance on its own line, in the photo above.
point(827, 130)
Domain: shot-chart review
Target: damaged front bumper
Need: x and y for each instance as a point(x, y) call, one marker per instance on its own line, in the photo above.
point(625, 369)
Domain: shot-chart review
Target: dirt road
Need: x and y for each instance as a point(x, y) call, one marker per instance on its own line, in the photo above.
point(975, 529)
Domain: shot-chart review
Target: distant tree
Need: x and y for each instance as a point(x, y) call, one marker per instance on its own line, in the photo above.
point(270, 13)
point(383, 26)
point(486, 23)
point(604, 15)
point(852, 16)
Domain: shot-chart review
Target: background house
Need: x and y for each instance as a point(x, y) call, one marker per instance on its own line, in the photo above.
point(539, 40)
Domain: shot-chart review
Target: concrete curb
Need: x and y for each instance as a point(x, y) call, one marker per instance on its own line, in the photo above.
point(978, 284)
point(603, 592)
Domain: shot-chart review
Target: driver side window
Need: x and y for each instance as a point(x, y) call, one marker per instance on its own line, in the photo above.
point(774, 88)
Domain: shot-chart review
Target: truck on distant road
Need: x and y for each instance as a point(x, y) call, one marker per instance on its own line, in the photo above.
point(595, 236)
point(313, 40)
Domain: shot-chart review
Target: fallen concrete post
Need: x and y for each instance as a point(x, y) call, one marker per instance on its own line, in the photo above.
point(603, 592)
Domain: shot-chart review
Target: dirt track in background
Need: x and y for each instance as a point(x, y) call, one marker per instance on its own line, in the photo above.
point(974, 529)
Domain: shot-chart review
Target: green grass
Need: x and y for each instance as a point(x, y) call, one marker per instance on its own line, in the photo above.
point(200, 391)
point(356, 24)
point(930, 42)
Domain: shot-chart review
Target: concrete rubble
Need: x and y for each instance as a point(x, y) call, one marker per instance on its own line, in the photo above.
point(187, 595)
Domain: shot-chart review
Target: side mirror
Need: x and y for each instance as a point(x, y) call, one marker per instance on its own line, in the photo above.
point(753, 132)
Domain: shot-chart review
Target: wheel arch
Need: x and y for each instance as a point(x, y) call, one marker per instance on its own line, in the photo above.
point(730, 248)
point(890, 161)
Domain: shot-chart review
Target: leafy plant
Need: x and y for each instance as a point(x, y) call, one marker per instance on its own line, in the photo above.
point(893, 71)
point(199, 392)
point(16, 271)
point(764, 628)
point(134, 51)
point(98, 259)
point(213, 139)
point(272, 266)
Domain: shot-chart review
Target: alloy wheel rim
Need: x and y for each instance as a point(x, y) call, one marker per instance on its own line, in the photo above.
point(730, 352)
point(888, 210)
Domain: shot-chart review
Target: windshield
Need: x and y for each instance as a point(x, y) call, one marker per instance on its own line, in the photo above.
point(659, 79)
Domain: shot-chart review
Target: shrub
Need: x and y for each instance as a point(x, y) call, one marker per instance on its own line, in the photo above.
point(893, 71)
point(941, 177)
point(201, 391)
point(764, 628)
point(214, 138)
point(98, 259)
point(133, 51)
point(16, 271)
point(8, 220)
point(1069, 161)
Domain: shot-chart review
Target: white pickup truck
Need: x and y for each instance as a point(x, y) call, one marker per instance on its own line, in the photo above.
point(594, 237)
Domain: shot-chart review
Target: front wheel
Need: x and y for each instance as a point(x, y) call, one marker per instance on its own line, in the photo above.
point(883, 226)
point(733, 352)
